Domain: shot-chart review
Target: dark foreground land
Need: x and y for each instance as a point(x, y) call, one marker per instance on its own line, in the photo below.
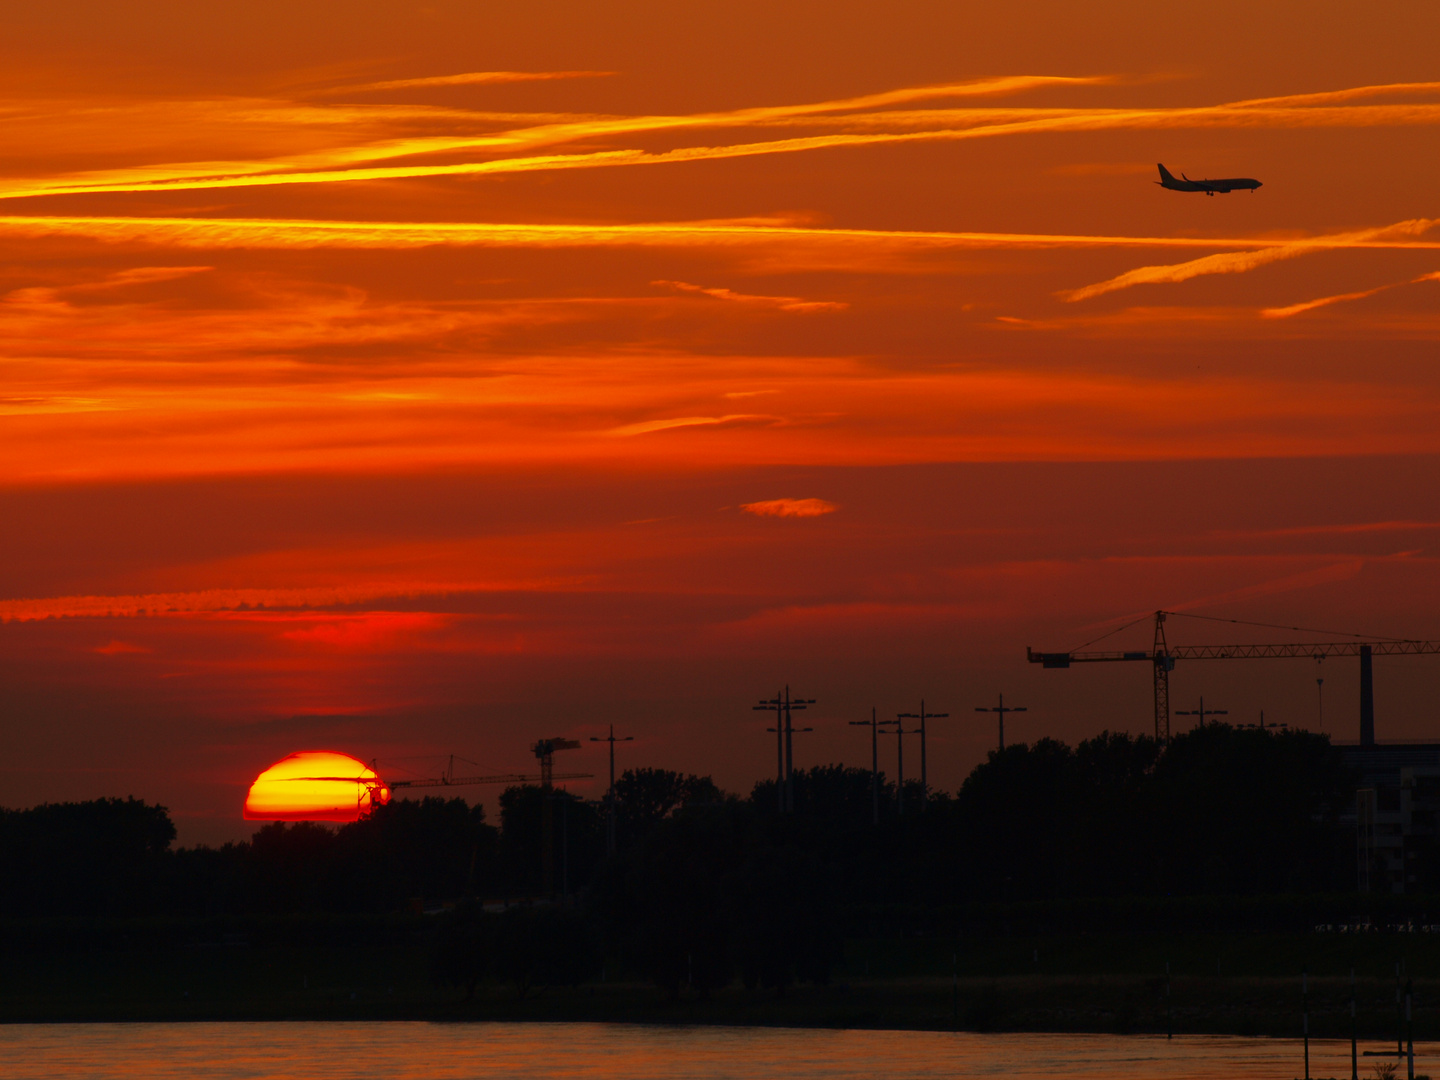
point(385, 968)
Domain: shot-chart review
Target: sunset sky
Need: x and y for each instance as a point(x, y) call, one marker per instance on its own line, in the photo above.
point(412, 379)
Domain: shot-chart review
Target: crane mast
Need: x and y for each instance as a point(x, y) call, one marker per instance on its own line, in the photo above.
point(1162, 656)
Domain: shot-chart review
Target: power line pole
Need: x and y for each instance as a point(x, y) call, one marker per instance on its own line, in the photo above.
point(874, 726)
point(782, 705)
point(1000, 711)
point(900, 734)
point(922, 716)
point(610, 792)
point(1202, 712)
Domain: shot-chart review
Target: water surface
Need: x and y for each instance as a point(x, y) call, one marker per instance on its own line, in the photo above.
point(425, 1051)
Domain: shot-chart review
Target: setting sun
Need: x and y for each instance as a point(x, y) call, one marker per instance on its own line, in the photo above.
point(315, 786)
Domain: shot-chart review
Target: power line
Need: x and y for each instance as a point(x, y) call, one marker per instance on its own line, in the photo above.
point(922, 716)
point(1000, 711)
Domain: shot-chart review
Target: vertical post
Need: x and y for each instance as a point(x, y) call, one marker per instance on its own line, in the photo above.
point(610, 800)
point(900, 768)
point(924, 776)
point(1367, 698)
point(1354, 1032)
point(610, 791)
point(789, 758)
point(1000, 711)
point(779, 753)
point(547, 826)
point(1305, 1016)
point(922, 716)
point(565, 849)
point(782, 705)
point(1399, 1016)
point(1163, 666)
point(1409, 1031)
point(1169, 1016)
point(955, 993)
point(874, 768)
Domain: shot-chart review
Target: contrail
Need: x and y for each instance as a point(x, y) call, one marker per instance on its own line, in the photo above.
point(270, 173)
point(1240, 262)
point(302, 233)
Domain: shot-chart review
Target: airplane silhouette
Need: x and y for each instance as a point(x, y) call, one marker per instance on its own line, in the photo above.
point(1209, 187)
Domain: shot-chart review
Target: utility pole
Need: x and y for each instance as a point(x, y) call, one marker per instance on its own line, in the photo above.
point(922, 716)
point(874, 725)
point(1320, 702)
point(1202, 712)
point(782, 705)
point(610, 791)
point(900, 734)
point(1000, 711)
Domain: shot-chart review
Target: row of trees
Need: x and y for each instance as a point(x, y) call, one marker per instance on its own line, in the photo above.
point(1220, 811)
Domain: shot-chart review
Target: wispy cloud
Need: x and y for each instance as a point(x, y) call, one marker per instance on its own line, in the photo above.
point(1326, 301)
point(468, 78)
point(1241, 262)
point(783, 303)
point(648, 427)
point(786, 508)
point(861, 116)
point(218, 233)
point(276, 602)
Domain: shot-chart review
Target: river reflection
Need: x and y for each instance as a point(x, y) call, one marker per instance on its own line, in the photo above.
point(422, 1051)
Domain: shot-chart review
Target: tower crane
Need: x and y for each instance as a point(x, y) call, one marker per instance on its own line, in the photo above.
point(1162, 657)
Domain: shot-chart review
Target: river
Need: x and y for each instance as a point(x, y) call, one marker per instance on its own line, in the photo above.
point(427, 1051)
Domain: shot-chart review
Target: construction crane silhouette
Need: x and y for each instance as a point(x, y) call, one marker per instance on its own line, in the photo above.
point(449, 779)
point(544, 751)
point(1162, 657)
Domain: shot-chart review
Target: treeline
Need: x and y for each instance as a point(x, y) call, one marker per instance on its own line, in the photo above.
point(1219, 812)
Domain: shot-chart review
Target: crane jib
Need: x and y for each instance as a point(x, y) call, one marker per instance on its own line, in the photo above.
point(1311, 650)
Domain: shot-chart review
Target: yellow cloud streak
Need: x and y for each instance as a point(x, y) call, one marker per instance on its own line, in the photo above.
point(1242, 261)
point(571, 129)
point(468, 78)
point(1345, 95)
point(185, 178)
point(1325, 301)
point(215, 233)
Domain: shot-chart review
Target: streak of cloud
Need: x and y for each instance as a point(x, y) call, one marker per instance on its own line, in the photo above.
point(648, 427)
point(1325, 301)
point(783, 303)
point(218, 233)
point(788, 508)
point(258, 602)
point(1242, 262)
point(201, 175)
point(468, 78)
point(339, 165)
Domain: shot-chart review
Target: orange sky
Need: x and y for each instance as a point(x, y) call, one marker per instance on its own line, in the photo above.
point(408, 380)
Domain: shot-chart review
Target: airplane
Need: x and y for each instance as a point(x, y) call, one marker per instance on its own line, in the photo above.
point(1209, 187)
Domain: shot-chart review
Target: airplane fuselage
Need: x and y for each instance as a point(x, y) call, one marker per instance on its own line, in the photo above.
point(1209, 187)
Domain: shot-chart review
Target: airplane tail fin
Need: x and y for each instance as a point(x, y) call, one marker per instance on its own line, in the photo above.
point(1165, 177)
